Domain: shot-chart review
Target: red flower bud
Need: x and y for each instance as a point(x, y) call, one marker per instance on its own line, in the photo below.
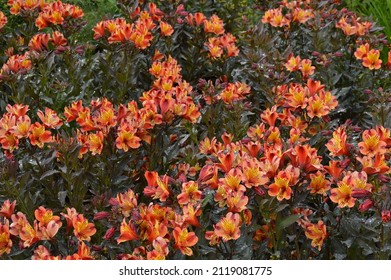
point(385, 216)
point(360, 193)
point(345, 163)
point(259, 191)
point(101, 215)
point(383, 178)
point(109, 233)
point(365, 205)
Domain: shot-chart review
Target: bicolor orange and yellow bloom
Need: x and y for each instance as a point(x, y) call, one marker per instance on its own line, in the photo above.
point(372, 144)
point(343, 195)
point(127, 232)
point(228, 228)
point(82, 229)
point(5, 238)
point(317, 233)
point(184, 240)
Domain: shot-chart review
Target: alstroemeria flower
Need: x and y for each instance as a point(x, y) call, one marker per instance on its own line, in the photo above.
point(228, 228)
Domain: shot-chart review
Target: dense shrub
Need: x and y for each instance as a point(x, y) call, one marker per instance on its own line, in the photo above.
point(169, 134)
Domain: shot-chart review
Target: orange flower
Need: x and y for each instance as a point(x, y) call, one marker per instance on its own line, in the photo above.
point(151, 177)
point(372, 60)
point(275, 18)
point(166, 29)
point(39, 42)
point(19, 110)
point(184, 240)
point(270, 116)
point(127, 201)
point(95, 142)
point(58, 39)
point(334, 169)
point(44, 216)
point(226, 161)
point(22, 127)
point(199, 18)
point(161, 245)
point(256, 132)
point(358, 181)
point(232, 181)
point(127, 139)
point(306, 68)
point(372, 145)
point(190, 193)
point(29, 234)
point(48, 224)
point(42, 253)
point(293, 63)
point(7, 209)
point(319, 184)
point(374, 165)
point(228, 228)
point(71, 213)
point(214, 47)
point(263, 234)
point(301, 15)
point(127, 232)
point(161, 191)
point(5, 240)
point(214, 25)
point(50, 118)
point(314, 86)
point(389, 60)
point(72, 112)
point(317, 233)
point(190, 214)
point(316, 107)
point(296, 97)
point(3, 20)
point(212, 237)
point(236, 201)
point(282, 182)
point(82, 229)
point(83, 253)
point(362, 51)
point(338, 145)
point(18, 222)
point(48, 231)
point(343, 195)
point(39, 136)
point(252, 174)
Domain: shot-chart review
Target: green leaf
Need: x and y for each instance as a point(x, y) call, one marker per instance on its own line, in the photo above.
point(287, 221)
point(61, 197)
point(49, 173)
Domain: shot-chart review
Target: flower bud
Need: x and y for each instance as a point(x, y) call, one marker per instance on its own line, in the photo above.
point(109, 233)
point(385, 216)
point(368, 203)
point(101, 215)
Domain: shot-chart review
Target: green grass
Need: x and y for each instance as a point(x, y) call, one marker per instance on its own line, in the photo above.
point(379, 9)
point(94, 11)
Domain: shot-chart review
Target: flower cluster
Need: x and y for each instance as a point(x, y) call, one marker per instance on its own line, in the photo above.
point(295, 13)
point(18, 63)
point(41, 42)
point(353, 26)
point(169, 98)
point(24, 6)
point(304, 65)
point(370, 57)
point(57, 13)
